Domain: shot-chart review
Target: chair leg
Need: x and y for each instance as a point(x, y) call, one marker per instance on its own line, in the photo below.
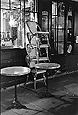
point(35, 81)
point(26, 80)
point(44, 78)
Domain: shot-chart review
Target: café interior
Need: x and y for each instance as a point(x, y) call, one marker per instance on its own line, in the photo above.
point(39, 57)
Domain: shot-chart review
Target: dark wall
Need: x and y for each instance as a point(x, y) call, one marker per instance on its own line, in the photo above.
point(76, 24)
point(68, 62)
point(10, 57)
point(71, 62)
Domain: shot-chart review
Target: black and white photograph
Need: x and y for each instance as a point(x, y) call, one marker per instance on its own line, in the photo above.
point(39, 57)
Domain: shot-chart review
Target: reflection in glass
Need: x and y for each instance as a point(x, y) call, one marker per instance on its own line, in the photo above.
point(14, 14)
point(58, 25)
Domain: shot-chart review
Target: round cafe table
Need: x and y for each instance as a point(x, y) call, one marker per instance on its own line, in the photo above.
point(15, 71)
point(47, 67)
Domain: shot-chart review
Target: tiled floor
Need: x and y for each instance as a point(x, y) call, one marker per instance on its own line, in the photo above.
point(65, 86)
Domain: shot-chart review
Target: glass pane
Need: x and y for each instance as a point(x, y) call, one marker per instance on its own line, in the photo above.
point(58, 25)
point(61, 22)
point(5, 4)
point(54, 8)
point(61, 48)
point(60, 35)
point(54, 21)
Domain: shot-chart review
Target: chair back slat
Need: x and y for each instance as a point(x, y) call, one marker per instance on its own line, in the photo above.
point(33, 26)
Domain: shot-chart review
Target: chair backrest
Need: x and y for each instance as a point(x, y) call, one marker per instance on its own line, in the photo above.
point(33, 43)
point(33, 26)
point(31, 55)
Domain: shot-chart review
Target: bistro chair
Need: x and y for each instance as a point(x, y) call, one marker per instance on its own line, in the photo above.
point(35, 37)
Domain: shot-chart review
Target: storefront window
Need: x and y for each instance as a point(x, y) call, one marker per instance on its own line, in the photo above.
point(58, 26)
point(14, 14)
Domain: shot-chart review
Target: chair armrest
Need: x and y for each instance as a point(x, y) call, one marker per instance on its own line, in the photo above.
point(40, 32)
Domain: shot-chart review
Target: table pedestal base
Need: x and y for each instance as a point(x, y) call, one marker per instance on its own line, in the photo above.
point(16, 105)
point(45, 94)
point(48, 94)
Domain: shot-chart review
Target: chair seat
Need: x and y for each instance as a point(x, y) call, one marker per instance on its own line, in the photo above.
point(44, 46)
point(41, 32)
point(34, 46)
point(41, 59)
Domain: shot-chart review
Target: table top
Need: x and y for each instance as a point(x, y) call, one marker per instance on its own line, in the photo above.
point(15, 71)
point(48, 65)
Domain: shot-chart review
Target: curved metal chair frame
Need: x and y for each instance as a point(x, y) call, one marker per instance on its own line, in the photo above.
point(33, 50)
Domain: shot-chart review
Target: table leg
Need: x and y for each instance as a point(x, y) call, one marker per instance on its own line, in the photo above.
point(15, 92)
point(16, 104)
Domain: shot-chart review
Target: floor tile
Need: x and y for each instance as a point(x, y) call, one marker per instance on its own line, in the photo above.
point(67, 98)
point(29, 93)
point(34, 107)
point(6, 96)
point(2, 109)
point(9, 112)
point(24, 112)
point(47, 103)
point(59, 93)
point(73, 88)
point(44, 113)
point(71, 85)
point(20, 90)
point(28, 97)
point(65, 109)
